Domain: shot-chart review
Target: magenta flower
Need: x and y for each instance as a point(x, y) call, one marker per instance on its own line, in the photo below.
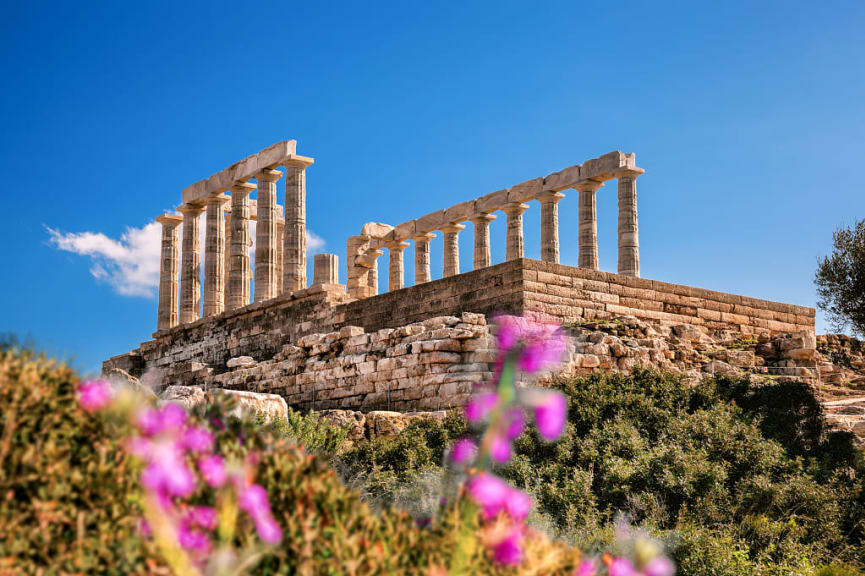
point(509, 551)
point(500, 449)
point(516, 423)
point(660, 566)
point(190, 539)
point(197, 439)
point(203, 516)
point(268, 529)
point(167, 472)
point(517, 504)
point(94, 395)
point(149, 421)
point(550, 415)
point(173, 417)
point(463, 450)
point(489, 492)
point(621, 567)
point(253, 501)
point(508, 329)
point(587, 568)
point(480, 406)
point(212, 469)
point(543, 344)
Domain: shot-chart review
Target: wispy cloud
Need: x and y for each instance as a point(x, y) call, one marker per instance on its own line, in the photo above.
point(130, 264)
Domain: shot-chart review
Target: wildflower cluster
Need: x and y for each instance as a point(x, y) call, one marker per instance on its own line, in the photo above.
point(180, 466)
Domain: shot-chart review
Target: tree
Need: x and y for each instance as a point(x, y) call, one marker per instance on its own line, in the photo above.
point(840, 280)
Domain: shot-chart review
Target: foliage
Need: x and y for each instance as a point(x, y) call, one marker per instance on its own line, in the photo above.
point(840, 279)
point(315, 434)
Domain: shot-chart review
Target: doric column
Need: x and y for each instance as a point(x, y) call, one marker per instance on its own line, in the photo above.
point(214, 256)
point(280, 251)
point(629, 241)
point(372, 275)
point(241, 239)
point(190, 265)
point(167, 316)
point(357, 265)
point(588, 223)
point(482, 240)
point(265, 236)
point(227, 251)
point(325, 269)
point(294, 250)
point(395, 277)
point(550, 226)
point(451, 265)
point(515, 246)
point(421, 257)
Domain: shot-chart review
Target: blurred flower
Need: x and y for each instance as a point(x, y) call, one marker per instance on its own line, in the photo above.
point(463, 450)
point(550, 415)
point(197, 439)
point(94, 395)
point(516, 423)
point(191, 539)
point(621, 567)
point(212, 469)
point(500, 449)
point(489, 492)
point(173, 417)
point(587, 568)
point(203, 516)
point(149, 421)
point(253, 500)
point(167, 472)
point(518, 504)
point(509, 551)
point(660, 566)
point(480, 406)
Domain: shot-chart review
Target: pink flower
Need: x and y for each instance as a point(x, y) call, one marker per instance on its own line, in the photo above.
point(167, 472)
point(139, 447)
point(203, 516)
point(463, 450)
point(544, 345)
point(94, 395)
point(500, 449)
point(197, 439)
point(517, 504)
point(149, 421)
point(516, 423)
point(587, 568)
point(253, 500)
point(173, 417)
point(621, 567)
point(550, 415)
point(509, 551)
point(213, 470)
point(190, 539)
point(480, 406)
point(268, 529)
point(489, 492)
point(659, 566)
point(508, 329)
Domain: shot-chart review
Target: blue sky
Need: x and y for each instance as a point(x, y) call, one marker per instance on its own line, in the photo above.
point(748, 118)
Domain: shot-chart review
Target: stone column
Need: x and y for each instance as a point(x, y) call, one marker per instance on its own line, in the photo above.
point(588, 223)
point(395, 277)
point(421, 257)
point(515, 246)
point(238, 270)
point(214, 256)
point(629, 241)
point(280, 251)
point(357, 273)
point(294, 251)
point(482, 240)
point(190, 265)
point(167, 316)
point(550, 226)
point(325, 269)
point(227, 251)
point(372, 275)
point(451, 265)
point(265, 236)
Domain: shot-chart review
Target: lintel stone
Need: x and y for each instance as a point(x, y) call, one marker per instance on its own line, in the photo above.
point(525, 191)
point(376, 230)
point(432, 221)
point(492, 201)
point(460, 212)
point(404, 230)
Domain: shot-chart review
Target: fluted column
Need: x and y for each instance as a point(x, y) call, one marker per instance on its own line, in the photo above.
point(265, 236)
point(294, 250)
point(515, 245)
point(325, 269)
point(280, 252)
point(550, 226)
point(588, 223)
point(241, 239)
point(482, 240)
point(167, 315)
point(372, 275)
point(227, 251)
point(214, 256)
point(395, 277)
point(451, 265)
point(190, 265)
point(421, 257)
point(629, 241)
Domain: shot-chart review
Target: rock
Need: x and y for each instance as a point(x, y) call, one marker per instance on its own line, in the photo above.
point(187, 396)
point(688, 332)
point(240, 362)
point(719, 368)
point(384, 424)
point(354, 422)
point(251, 403)
point(801, 354)
point(122, 379)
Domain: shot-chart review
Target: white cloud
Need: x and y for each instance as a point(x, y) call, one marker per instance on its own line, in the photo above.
point(130, 265)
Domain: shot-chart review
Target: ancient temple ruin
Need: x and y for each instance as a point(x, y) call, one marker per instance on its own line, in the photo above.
point(296, 338)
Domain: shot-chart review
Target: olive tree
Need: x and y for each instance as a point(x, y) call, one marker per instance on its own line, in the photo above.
point(840, 280)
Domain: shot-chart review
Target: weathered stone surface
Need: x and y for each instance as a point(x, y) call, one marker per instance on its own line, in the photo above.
point(186, 396)
point(240, 362)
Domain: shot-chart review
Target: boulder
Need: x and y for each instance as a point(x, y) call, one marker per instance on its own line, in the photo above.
point(187, 396)
point(688, 332)
point(384, 424)
point(251, 403)
point(240, 362)
point(122, 379)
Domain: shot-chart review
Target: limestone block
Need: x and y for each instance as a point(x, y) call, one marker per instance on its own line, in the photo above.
point(276, 154)
point(526, 191)
point(688, 332)
point(186, 396)
point(460, 213)
point(240, 362)
point(376, 230)
point(432, 221)
point(405, 230)
point(350, 332)
point(492, 201)
point(606, 166)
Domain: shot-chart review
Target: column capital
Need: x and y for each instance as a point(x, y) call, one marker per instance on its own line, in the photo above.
point(297, 162)
point(588, 185)
point(191, 209)
point(483, 218)
point(515, 208)
point(268, 175)
point(629, 172)
point(453, 227)
point(169, 220)
point(218, 199)
point(397, 245)
point(243, 187)
point(423, 237)
point(550, 196)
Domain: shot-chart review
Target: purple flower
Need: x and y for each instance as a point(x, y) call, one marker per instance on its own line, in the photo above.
point(659, 566)
point(516, 423)
point(149, 421)
point(268, 529)
point(463, 450)
point(203, 516)
point(197, 439)
point(621, 567)
point(213, 470)
point(518, 504)
point(500, 449)
point(480, 406)
point(509, 551)
point(139, 447)
point(587, 568)
point(550, 415)
point(190, 539)
point(544, 345)
point(167, 472)
point(508, 329)
point(489, 492)
point(173, 417)
point(94, 395)
point(253, 500)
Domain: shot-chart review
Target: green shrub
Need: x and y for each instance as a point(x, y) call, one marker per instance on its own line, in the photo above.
point(315, 434)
